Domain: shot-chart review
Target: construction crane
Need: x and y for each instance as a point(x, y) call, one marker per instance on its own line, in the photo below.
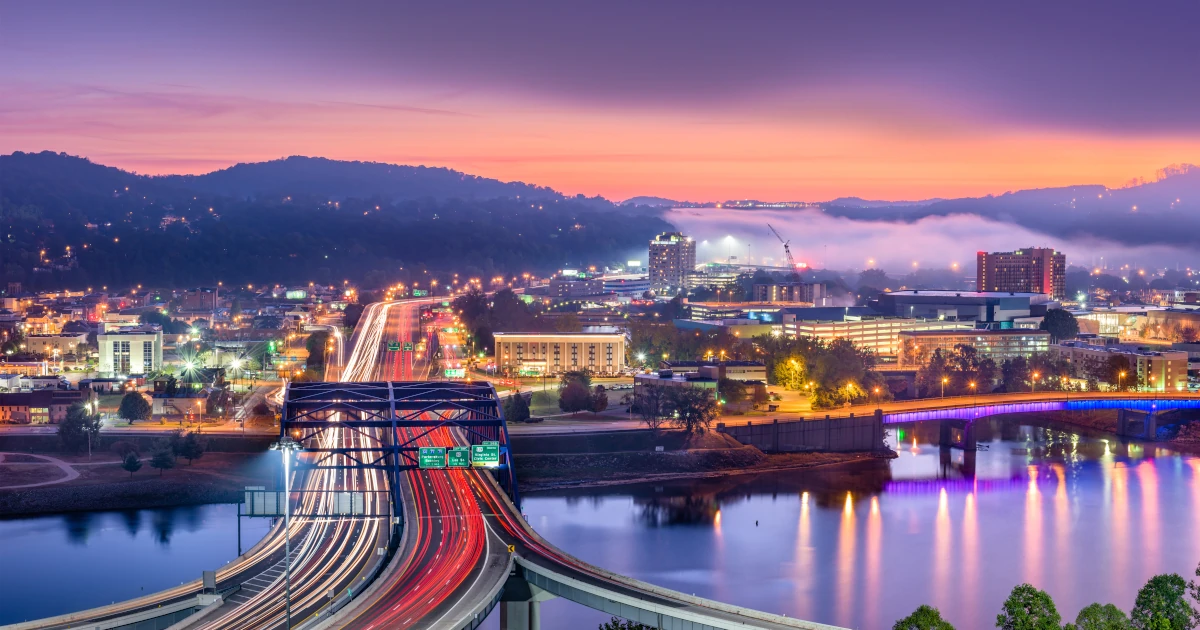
point(787, 251)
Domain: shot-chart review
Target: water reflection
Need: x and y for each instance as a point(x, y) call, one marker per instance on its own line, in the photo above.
point(86, 555)
point(959, 518)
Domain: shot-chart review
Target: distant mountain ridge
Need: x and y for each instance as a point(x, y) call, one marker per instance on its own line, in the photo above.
point(321, 177)
point(340, 179)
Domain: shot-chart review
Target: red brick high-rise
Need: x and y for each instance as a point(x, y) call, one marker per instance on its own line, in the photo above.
point(1031, 270)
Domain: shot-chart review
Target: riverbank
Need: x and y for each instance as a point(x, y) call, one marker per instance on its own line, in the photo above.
point(595, 460)
point(76, 484)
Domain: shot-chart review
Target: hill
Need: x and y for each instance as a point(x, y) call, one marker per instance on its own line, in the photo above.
point(71, 223)
point(337, 179)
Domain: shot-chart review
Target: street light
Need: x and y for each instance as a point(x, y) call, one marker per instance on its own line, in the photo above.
point(1035, 380)
point(974, 399)
point(286, 446)
point(1121, 381)
point(944, 381)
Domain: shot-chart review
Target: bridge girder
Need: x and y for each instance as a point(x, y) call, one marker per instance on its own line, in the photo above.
point(378, 410)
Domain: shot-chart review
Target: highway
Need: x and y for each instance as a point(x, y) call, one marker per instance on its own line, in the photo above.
point(456, 557)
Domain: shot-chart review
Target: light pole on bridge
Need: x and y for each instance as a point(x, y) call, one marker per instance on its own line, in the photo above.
point(286, 446)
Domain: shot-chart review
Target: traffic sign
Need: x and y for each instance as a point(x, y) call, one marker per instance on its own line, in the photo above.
point(408, 346)
point(458, 457)
point(455, 372)
point(393, 346)
point(432, 457)
point(485, 454)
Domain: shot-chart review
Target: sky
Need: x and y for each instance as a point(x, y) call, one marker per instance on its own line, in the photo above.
point(691, 100)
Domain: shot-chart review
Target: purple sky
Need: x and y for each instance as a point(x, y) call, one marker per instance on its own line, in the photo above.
point(699, 100)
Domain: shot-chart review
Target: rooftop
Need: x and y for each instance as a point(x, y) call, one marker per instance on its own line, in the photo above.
point(983, 332)
point(966, 294)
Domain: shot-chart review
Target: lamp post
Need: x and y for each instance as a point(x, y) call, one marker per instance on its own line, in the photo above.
point(1035, 380)
point(944, 379)
point(286, 446)
point(974, 399)
point(1121, 381)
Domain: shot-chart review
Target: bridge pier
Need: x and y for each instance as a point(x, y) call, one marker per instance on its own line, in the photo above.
point(1137, 424)
point(521, 604)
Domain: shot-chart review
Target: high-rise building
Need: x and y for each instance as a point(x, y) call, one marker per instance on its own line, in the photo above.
point(1031, 270)
point(672, 259)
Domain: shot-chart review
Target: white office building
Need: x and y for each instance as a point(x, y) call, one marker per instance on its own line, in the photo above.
point(130, 351)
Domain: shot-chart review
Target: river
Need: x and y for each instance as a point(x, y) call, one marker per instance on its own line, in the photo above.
point(860, 546)
point(50, 565)
point(1087, 519)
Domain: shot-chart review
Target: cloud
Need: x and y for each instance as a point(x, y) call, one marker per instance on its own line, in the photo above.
point(822, 240)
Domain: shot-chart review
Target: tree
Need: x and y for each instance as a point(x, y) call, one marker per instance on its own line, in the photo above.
point(132, 463)
point(122, 448)
point(315, 345)
point(651, 404)
point(351, 315)
point(1100, 617)
point(516, 408)
point(134, 407)
point(731, 391)
point(923, 618)
point(574, 397)
point(190, 447)
point(1162, 604)
point(790, 374)
point(693, 408)
point(79, 429)
point(599, 401)
point(1028, 608)
point(616, 623)
point(164, 459)
point(1060, 324)
point(1119, 372)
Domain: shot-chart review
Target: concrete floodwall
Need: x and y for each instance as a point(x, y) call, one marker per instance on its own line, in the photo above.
point(839, 435)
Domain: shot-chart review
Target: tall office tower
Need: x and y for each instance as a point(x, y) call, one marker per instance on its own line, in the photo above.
point(1031, 270)
point(672, 259)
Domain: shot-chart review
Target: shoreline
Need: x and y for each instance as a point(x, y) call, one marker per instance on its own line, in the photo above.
point(105, 486)
point(827, 460)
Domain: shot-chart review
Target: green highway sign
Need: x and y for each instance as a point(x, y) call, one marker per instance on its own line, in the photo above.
point(455, 372)
point(408, 346)
point(485, 454)
point(458, 457)
point(432, 457)
point(420, 293)
point(393, 346)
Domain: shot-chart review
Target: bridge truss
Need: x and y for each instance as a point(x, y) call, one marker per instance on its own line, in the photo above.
point(396, 416)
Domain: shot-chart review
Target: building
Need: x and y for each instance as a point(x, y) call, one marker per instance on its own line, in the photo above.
point(736, 370)
point(48, 406)
point(575, 287)
point(672, 260)
point(812, 293)
point(55, 346)
point(917, 346)
point(130, 351)
point(877, 333)
point(627, 285)
point(1118, 322)
point(975, 306)
point(648, 388)
point(1031, 270)
point(555, 353)
point(1151, 370)
point(744, 328)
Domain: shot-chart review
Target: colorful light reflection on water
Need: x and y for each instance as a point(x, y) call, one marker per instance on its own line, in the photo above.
point(1085, 518)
